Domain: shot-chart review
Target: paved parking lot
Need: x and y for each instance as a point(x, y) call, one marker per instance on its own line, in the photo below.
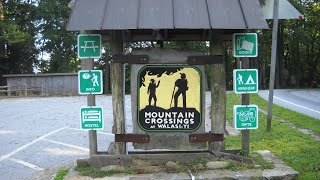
point(43, 133)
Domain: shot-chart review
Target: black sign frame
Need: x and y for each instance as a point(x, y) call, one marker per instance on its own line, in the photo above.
point(198, 118)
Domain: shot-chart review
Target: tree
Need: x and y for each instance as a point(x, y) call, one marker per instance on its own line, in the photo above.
point(55, 39)
point(18, 52)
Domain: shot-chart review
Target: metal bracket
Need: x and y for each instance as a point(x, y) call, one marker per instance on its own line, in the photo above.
point(136, 138)
point(202, 60)
point(131, 59)
point(207, 137)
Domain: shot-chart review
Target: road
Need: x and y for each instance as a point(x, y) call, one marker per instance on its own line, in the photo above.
point(303, 101)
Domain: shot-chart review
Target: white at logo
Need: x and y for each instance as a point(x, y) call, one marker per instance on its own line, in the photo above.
point(86, 76)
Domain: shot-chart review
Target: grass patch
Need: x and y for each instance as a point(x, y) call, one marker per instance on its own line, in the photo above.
point(294, 148)
point(194, 166)
point(237, 166)
point(61, 173)
point(96, 172)
point(264, 164)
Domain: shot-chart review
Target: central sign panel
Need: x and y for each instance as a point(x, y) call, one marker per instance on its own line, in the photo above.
point(169, 98)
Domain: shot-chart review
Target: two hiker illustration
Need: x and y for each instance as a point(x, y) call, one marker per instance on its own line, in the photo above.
point(181, 84)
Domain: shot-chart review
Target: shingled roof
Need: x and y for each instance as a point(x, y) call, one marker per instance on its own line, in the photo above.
point(166, 14)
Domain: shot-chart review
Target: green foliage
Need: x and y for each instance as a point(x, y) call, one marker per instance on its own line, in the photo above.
point(294, 148)
point(197, 46)
point(96, 172)
point(52, 18)
point(264, 164)
point(61, 173)
point(194, 166)
point(18, 52)
point(237, 166)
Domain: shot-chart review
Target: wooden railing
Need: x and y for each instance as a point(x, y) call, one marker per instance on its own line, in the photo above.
point(20, 90)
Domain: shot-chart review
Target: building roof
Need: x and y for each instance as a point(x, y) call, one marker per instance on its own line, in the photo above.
point(166, 14)
point(286, 10)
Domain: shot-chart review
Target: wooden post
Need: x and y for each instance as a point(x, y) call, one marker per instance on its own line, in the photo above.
point(245, 101)
point(218, 94)
point(273, 62)
point(117, 91)
point(25, 89)
point(87, 64)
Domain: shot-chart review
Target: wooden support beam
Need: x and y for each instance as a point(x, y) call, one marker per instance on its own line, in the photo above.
point(218, 94)
point(201, 36)
point(203, 60)
point(116, 48)
point(131, 59)
point(191, 60)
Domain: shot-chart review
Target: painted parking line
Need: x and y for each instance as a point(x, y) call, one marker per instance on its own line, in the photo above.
point(297, 105)
point(2, 132)
point(29, 144)
point(68, 145)
point(32, 166)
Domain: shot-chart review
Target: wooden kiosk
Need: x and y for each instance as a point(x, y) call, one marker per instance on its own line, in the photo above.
point(120, 21)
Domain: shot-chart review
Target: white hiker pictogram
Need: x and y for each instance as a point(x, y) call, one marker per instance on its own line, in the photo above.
point(95, 80)
point(250, 80)
point(239, 79)
point(86, 46)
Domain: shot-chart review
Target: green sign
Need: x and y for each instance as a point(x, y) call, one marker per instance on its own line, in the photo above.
point(90, 82)
point(91, 117)
point(89, 46)
point(245, 45)
point(245, 81)
point(245, 117)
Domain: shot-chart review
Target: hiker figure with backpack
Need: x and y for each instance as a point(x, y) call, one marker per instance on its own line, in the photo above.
point(152, 90)
point(182, 85)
